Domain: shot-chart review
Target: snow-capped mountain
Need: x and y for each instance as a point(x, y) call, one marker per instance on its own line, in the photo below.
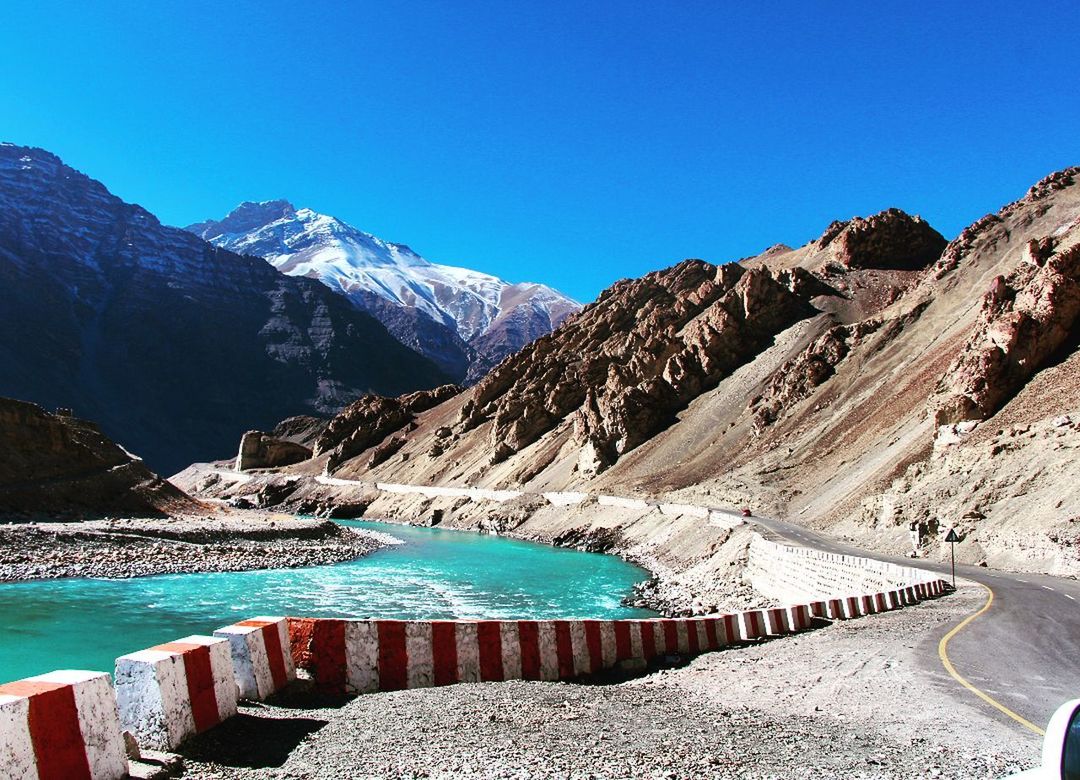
point(465, 320)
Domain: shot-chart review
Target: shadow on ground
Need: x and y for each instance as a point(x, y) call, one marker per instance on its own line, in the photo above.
point(250, 741)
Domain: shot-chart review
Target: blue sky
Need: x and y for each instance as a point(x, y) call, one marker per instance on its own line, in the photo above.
point(572, 143)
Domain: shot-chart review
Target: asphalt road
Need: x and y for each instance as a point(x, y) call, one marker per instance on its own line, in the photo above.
point(1023, 652)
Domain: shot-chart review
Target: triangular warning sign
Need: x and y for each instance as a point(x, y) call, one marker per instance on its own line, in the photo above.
point(951, 536)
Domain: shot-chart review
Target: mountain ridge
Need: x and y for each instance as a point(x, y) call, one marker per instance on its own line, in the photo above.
point(858, 384)
point(171, 344)
point(465, 320)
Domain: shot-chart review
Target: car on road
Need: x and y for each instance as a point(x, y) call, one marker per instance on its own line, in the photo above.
point(1061, 747)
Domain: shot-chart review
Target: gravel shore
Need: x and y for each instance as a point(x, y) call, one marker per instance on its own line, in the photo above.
point(849, 701)
point(138, 547)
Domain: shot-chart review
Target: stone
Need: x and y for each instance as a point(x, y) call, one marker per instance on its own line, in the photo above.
point(890, 240)
point(370, 419)
point(259, 450)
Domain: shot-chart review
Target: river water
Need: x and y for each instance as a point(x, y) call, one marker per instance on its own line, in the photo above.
point(435, 574)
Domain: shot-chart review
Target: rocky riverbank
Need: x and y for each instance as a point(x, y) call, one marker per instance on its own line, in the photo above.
point(697, 563)
point(121, 548)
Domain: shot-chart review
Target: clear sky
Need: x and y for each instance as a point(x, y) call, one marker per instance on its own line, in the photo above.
point(573, 143)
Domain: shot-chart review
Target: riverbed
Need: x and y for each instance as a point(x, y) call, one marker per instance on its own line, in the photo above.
point(435, 574)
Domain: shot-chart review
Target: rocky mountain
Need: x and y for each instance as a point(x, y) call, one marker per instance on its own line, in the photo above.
point(466, 321)
point(872, 378)
point(173, 345)
point(56, 463)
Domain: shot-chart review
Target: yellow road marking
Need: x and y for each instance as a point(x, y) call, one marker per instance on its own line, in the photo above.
point(944, 655)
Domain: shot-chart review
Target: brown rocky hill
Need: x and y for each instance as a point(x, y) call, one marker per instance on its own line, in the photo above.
point(57, 464)
point(868, 379)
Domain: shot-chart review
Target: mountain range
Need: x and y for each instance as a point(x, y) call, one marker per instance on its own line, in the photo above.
point(463, 320)
point(173, 345)
point(871, 379)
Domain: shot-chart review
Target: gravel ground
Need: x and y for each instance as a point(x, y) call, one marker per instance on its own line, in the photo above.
point(851, 700)
point(138, 547)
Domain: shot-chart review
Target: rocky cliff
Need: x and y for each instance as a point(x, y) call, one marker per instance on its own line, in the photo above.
point(58, 464)
point(874, 377)
point(173, 345)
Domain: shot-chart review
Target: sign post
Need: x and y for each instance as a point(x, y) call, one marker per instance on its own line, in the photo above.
point(952, 539)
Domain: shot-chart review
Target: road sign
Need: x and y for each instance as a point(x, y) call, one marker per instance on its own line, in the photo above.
point(952, 539)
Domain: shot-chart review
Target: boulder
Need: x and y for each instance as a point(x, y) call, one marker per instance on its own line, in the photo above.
point(260, 450)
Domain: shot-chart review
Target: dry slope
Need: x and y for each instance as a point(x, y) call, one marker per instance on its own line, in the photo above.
point(873, 377)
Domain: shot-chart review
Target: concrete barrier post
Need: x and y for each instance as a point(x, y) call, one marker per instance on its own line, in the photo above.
point(62, 724)
point(608, 650)
point(799, 617)
point(173, 691)
point(582, 664)
point(548, 643)
point(261, 655)
point(852, 607)
point(697, 635)
point(751, 625)
point(776, 621)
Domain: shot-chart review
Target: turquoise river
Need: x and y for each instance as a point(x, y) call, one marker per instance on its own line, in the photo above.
point(87, 623)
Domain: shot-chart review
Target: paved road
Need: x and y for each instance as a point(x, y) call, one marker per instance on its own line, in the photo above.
point(1023, 652)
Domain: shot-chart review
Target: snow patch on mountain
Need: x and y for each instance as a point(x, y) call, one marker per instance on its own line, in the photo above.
point(303, 242)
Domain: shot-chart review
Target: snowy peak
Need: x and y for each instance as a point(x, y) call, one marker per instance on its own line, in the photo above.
point(372, 272)
point(246, 217)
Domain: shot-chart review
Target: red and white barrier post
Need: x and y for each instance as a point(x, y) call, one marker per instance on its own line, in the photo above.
point(173, 691)
point(61, 726)
point(261, 656)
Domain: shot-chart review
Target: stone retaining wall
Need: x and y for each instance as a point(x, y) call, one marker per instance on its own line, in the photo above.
point(787, 573)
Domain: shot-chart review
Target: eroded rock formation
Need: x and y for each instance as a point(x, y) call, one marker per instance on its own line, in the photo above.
point(798, 377)
point(261, 451)
point(1025, 318)
point(631, 360)
point(890, 240)
point(369, 420)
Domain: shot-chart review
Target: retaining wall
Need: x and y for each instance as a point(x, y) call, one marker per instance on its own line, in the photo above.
point(482, 494)
point(363, 656)
point(676, 510)
point(623, 503)
point(786, 573)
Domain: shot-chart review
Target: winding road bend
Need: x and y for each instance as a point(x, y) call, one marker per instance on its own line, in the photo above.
point(1017, 656)
point(1021, 651)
